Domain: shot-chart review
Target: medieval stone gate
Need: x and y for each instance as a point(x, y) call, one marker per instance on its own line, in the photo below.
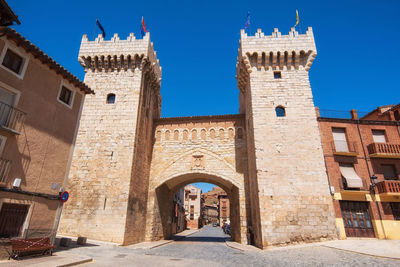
point(128, 162)
point(198, 149)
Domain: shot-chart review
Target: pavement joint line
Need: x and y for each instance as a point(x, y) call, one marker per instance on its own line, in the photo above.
point(362, 253)
point(172, 240)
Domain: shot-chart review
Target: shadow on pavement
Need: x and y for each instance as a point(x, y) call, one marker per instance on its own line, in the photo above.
point(203, 239)
point(71, 246)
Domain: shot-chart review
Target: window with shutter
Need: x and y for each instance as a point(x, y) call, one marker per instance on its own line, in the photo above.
point(339, 138)
point(379, 136)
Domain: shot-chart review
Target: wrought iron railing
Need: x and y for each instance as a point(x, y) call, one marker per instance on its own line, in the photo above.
point(389, 186)
point(384, 148)
point(11, 118)
point(4, 169)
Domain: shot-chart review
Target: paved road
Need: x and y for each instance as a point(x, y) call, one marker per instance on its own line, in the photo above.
point(207, 248)
point(208, 244)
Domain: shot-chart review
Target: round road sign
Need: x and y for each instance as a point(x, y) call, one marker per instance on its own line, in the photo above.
point(64, 196)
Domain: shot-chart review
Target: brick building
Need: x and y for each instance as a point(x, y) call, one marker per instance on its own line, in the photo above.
point(362, 157)
point(212, 205)
point(223, 208)
point(40, 107)
point(209, 213)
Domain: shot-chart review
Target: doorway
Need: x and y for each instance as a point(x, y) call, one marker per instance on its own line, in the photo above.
point(357, 219)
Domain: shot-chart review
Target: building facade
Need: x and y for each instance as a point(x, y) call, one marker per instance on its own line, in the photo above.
point(193, 206)
point(223, 208)
point(209, 214)
point(362, 157)
point(213, 201)
point(129, 163)
point(179, 213)
point(40, 107)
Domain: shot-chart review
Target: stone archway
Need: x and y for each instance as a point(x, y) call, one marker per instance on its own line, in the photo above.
point(162, 198)
point(202, 149)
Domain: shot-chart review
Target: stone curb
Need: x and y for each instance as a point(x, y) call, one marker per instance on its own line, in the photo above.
point(241, 247)
point(75, 263)
point(172, 240)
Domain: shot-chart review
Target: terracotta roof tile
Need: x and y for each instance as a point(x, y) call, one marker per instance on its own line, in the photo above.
point(44, 58)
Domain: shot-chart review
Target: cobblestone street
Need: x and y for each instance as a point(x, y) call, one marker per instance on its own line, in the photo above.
point(207, 247)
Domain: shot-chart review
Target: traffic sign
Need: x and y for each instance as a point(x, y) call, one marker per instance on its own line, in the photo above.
point(64, 196)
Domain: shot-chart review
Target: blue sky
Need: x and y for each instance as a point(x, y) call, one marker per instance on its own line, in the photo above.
point(196, 41)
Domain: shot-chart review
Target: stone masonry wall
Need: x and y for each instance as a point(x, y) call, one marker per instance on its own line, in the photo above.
point(294, 199)
point(138, 193)
point(203, 149)
point(104, 166)
point(101, 167)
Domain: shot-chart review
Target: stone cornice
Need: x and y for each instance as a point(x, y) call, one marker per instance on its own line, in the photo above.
point(366, 122)
point(118, 55)
point(228, 117)
point(276, 51)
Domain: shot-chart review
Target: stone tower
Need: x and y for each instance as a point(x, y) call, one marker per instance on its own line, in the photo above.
point(109, 174)
point(286, 165)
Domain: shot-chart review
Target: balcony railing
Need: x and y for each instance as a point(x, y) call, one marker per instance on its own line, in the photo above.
point(388, 186)
point(4, 169)
point(385, 150)
point(344, 148)
point(11, 118)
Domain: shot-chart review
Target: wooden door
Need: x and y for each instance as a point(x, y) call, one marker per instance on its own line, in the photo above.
point(12, 218)
point(357, 219)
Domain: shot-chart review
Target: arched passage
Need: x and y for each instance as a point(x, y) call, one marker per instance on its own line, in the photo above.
point(161, 199)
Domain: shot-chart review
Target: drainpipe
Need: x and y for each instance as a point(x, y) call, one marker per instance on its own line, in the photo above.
point(369, 171)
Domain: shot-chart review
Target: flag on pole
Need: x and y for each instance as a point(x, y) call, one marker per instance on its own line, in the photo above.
point(143, 28)
point(247, 24)
point(297, 18)
point(101, 28)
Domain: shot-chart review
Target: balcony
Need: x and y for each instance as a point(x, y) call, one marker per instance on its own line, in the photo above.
point(4, 169)
point(389, 186)
point(343, 148)
point(384, 150)
point(11, 119)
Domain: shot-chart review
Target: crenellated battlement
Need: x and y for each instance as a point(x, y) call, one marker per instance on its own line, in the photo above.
point(118, 54)
point(277, 51)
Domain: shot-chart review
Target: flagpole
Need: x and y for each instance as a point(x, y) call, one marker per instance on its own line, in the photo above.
point(249, 26)
point(299, 26)
point(94, 30)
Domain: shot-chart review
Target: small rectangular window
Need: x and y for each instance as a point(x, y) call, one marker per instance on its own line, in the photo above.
point(65, 96)
point(396, 210)
point(389, 171)
point(379, 136)
point(277, 75)
point(13, 61)
point(339, 138)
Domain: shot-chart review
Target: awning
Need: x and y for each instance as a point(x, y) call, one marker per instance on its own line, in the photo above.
point(352, 179)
